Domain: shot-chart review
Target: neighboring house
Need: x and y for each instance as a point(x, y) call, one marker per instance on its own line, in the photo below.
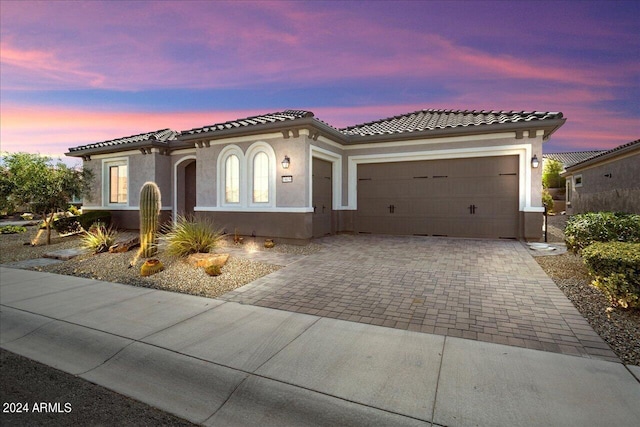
point(565, 159)
point(291, 176)
point(608, 181)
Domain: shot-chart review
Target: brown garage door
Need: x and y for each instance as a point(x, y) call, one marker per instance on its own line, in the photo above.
point(322, 197)
point(475, 197)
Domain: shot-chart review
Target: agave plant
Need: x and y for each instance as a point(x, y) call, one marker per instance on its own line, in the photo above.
point(99, 238)
point(190, 235)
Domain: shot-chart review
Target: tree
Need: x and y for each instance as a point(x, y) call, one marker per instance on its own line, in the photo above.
point(551, 174)
point(35, 181)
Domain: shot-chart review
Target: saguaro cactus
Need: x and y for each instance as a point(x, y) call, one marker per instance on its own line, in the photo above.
point(149, 213)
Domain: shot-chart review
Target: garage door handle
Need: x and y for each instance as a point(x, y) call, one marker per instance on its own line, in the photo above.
point(314, 208)
point(472, 209)
point(392, 208)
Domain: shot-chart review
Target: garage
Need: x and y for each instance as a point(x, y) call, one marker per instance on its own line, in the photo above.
point(466, 197)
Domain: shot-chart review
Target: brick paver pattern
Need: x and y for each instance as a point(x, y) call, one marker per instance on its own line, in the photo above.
point(486, 290)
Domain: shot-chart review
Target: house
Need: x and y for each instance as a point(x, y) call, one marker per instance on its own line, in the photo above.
point(565, 159)
point(608, 181)
point(290, 175)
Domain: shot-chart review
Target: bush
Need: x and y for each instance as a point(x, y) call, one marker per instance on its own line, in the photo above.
point(12, 229)
point(547, 199)
point(189, 236)
point(615, 267)
point(584, 229)
point(88, 218)
point(99, 239)
point(67, 225)
point(73, 210)
point(213, 270)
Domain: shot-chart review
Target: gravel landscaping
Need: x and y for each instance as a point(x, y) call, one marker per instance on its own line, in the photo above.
point(618, 327)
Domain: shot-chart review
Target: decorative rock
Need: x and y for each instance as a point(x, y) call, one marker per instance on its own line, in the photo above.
point(124, 246)
point(205, 260)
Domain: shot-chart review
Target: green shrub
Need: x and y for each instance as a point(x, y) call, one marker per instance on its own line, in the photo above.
point(615, 267)
point(73, 210)
point(88, 218)
point(66, 225)
point(547, 199)
point(12, 229)
point(584, 229)
point(99, 238)
point(213, 270)
point(188, 236)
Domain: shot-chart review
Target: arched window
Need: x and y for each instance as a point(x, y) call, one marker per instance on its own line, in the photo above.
point(232, 179)
point(261, 178)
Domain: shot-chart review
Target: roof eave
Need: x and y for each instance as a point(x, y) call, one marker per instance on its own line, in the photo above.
point(118, 148)
point(280, 126)
point(549, 127)
point(598, 158)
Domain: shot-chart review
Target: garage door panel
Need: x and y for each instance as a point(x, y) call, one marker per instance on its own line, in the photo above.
point(436, 197)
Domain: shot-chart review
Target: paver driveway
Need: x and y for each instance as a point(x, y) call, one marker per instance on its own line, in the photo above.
point(486, 290)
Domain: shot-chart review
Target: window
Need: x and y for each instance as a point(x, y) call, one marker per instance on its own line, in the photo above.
point(246, 180)
point(261, 178)
point(577, 181)
point(232, 179)
point(118, 182)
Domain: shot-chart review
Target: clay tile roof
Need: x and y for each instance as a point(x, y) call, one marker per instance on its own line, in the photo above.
point(571, 158)
point(251, 121)
point(440, 119)
point(608, 153)
point(163, 135)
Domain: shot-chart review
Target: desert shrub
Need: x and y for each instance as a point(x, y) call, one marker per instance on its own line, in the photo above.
point(73, 210)
point(584, 229)
point(66, 225)
point(615, 268)
point(213, 270)
point(547, 199)
point(88, 218)
point(99, 239)
point(189, 235)
point(12, 229)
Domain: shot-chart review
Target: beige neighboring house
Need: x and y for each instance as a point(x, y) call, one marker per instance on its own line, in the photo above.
point(607, 181)
point(290, 175)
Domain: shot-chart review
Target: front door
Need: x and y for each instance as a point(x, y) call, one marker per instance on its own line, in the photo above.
point(322, 197)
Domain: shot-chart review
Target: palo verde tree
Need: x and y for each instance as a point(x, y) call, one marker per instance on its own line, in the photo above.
point(35, 181)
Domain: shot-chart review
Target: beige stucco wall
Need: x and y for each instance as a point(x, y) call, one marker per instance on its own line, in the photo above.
point(620, 192)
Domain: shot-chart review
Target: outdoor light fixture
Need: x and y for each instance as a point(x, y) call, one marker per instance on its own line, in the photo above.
point(286, 162)
point(534, 161)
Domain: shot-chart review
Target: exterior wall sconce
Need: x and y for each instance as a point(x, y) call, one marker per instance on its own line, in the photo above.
point(286, 162)
point(534, 161)
point(608, 175)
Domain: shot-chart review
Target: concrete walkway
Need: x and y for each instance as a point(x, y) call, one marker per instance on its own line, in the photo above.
point(227, 364)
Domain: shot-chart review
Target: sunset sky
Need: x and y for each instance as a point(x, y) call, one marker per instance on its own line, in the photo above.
point(79, 72)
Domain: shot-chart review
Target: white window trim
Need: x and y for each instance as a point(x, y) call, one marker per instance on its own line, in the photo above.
point(106, 164)
point(222, 173)
point(255, 149)
point(577, 178)
point(569, 191)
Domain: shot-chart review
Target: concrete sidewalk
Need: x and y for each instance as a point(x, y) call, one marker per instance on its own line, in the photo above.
point(223, 363)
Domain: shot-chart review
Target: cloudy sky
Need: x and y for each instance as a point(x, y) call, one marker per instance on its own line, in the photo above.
point(79, 72)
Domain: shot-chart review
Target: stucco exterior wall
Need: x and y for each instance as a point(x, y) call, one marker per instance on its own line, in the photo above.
point(620, 191)
point(95, 198)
